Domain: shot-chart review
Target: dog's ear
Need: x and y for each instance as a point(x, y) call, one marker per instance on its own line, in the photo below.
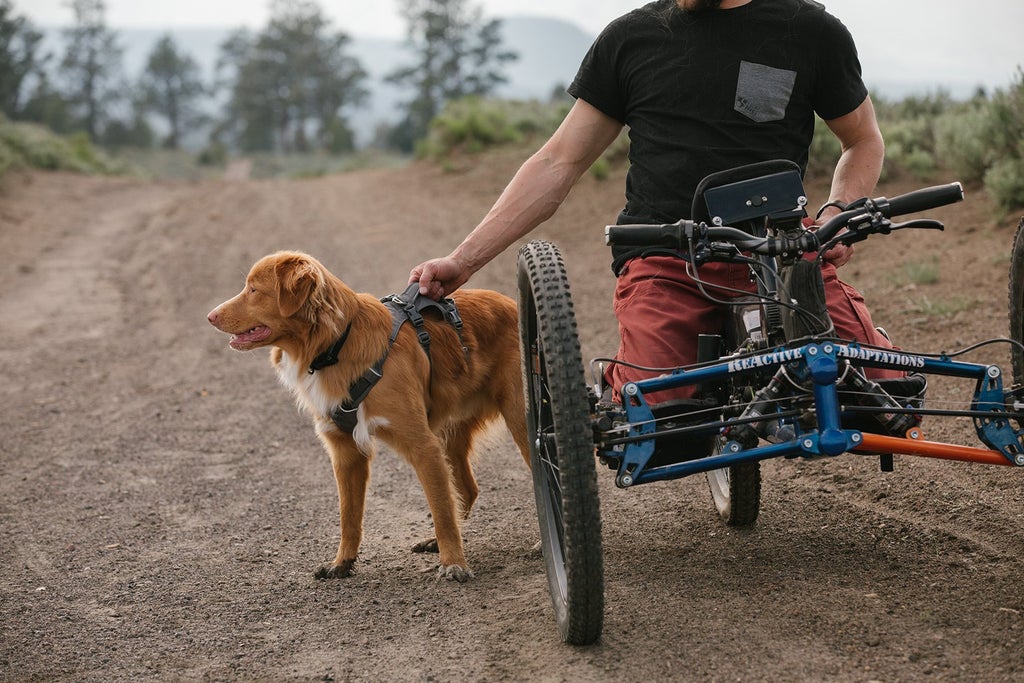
point(296, 281)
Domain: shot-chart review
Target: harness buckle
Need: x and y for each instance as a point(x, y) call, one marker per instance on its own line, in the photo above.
point(451, 314)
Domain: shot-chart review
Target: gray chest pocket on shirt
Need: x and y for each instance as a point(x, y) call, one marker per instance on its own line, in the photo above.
point(763, 92)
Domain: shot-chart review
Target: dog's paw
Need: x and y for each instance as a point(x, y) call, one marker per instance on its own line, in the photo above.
point(454, 572)
point(427, 546)
point(335, 571)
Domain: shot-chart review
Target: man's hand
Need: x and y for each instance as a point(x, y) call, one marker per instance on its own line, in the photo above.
point(439, 277)
point(839, 255)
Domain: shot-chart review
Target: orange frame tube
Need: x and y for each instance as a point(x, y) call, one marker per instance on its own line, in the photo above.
point(876, 443)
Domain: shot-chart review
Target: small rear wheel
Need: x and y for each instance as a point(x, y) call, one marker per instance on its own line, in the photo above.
point(1017, 302)
point(561, 444)
point(736, 491)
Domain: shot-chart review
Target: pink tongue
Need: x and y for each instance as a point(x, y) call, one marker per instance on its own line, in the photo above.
point(254, 335)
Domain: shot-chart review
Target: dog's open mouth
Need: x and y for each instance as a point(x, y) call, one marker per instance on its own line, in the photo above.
point(247, 339)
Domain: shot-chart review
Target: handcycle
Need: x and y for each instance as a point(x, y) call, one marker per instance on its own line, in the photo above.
point(777, 383)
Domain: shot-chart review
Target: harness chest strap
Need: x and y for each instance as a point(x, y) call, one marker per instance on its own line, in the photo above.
point(345, 416)
point(403, 308)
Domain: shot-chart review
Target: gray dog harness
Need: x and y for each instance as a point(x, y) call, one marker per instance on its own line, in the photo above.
point(405, 307)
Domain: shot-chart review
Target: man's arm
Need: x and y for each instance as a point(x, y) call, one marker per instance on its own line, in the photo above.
point(533, 196)
point(859, 166)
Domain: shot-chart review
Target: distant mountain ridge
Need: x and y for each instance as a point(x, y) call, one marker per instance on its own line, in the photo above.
point(549, 50)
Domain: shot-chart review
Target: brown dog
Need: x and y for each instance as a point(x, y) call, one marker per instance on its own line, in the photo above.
point(428, 409)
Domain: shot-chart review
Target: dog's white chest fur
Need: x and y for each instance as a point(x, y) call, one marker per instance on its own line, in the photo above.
point(306, 386)
point(310, 395)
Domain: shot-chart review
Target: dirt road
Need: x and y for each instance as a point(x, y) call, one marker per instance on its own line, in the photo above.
point(163, 505)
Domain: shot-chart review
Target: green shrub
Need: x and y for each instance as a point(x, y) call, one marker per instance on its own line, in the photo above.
point(824, 152)
point(1005, 181)
point(940, 309)
point(920, 163)
point(8, 159)
point(472, 125)
point(909, 134)
point(616, 155)
point(214, 154)
point(85, 155)
point(1005, 137)
point(1006, 118)
point(25, 145)
point(961, 142)
point(910, 144)
point(601, 168)
point(922, 271)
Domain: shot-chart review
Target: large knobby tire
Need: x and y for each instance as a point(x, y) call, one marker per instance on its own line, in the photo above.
point(1017, 301)
point(736, 492)
point(561, 444)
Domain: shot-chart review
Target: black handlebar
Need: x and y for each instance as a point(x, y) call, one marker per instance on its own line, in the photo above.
point(681, 234)
point(672, 235)
point(920, 200)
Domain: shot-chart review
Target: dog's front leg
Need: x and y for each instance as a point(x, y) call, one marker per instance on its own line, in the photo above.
point(352, 475)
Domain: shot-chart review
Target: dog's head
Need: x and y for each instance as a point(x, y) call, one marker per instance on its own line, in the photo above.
point(280, 301)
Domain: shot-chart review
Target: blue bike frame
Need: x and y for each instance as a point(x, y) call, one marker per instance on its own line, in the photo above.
point(816, 365)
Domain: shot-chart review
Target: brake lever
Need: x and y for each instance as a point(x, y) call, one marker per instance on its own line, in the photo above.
point(919, 224)
point(870, 224)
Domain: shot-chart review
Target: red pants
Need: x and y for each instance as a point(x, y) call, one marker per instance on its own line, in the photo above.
point(661, 311)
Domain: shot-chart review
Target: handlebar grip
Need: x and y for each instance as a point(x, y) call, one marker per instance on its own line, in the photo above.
point(671, 236)
point(924, 199)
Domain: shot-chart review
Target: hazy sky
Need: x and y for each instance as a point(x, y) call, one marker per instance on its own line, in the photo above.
point(941, 40)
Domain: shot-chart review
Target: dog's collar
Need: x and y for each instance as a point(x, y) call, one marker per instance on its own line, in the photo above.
point(330, 356)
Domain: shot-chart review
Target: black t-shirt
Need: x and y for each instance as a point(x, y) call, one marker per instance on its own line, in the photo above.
point(704, 92)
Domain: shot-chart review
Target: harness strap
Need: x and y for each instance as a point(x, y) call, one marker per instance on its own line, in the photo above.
point(345, 415)
point(404, 307)
point(404, 304)
point(412, 303)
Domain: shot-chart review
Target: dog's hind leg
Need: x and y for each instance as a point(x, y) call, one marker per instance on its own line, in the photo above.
point(512, 405)
point(459, 453)
point(352, 475)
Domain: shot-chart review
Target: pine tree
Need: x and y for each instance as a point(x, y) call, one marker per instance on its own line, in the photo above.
point(91, 67)
point(172, 88)
point(458, 53)
point(21, 58)
point(292, 81)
